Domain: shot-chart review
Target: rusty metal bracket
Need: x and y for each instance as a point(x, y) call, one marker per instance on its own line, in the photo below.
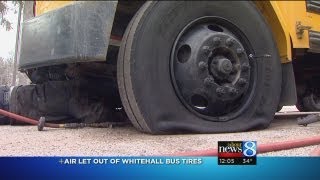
point(300, 29)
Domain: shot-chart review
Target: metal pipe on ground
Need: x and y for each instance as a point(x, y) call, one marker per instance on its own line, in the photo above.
point(41, 123)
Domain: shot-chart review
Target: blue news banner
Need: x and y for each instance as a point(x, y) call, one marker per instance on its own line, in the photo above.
point(156, 167)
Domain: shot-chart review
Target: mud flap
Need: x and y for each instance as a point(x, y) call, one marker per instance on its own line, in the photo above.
point(78, 32)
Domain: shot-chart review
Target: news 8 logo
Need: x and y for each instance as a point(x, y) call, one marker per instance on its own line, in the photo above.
point(249, 148)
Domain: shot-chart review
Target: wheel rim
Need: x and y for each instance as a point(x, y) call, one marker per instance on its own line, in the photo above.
point(211, 71)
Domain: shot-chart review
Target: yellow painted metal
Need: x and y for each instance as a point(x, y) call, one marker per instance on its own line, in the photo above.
point(282, 17)
point(276, 21)
point(295, 11)
point(46, 6)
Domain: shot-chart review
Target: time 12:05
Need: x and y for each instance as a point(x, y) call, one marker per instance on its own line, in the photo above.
point(226, 161)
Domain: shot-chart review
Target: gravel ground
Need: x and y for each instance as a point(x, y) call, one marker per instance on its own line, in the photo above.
point(126, 141)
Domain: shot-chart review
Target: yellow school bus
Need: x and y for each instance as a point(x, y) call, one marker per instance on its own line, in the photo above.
point(183, 66)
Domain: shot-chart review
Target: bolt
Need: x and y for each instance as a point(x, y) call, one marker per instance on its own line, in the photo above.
point(202, 65)
point(233, 91)
point(229, 42)
point(242, 82)
point(208, 81)
point(220, 91)
point(245, 67)
point(206, 49)
point(240, 51)
point(216, 41)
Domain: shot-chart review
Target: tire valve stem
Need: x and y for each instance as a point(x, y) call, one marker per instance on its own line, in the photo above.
point(251, 56)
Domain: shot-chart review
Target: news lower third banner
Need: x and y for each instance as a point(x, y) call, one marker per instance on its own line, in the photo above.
point(156, 167)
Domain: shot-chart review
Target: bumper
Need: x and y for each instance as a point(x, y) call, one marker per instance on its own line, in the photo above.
point(79, 32)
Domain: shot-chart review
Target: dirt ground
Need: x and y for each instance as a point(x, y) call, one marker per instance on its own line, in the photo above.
point(126, 141)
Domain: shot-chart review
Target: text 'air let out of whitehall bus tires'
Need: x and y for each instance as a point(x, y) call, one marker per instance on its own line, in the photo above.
point(185, 67)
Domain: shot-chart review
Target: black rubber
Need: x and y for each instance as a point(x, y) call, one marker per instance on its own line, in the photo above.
point(144, 80)
point(300, 106)
point(308, 104)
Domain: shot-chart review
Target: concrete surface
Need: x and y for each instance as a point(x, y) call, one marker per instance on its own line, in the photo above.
point(126, 141)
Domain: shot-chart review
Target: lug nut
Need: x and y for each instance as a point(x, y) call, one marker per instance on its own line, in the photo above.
point(229, 42)
point(245, 67)
point(202, 65)
point(233, 91)
point(206, 49)
point(240, 51)
point(216, 41)
point(220, 91)
point(242, 82)
point(208, 81)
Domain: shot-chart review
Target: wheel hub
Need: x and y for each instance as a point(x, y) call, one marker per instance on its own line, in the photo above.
point(224, 66)
point(210, 68)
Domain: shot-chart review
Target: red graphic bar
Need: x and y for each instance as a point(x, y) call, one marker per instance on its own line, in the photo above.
point(230, 155)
